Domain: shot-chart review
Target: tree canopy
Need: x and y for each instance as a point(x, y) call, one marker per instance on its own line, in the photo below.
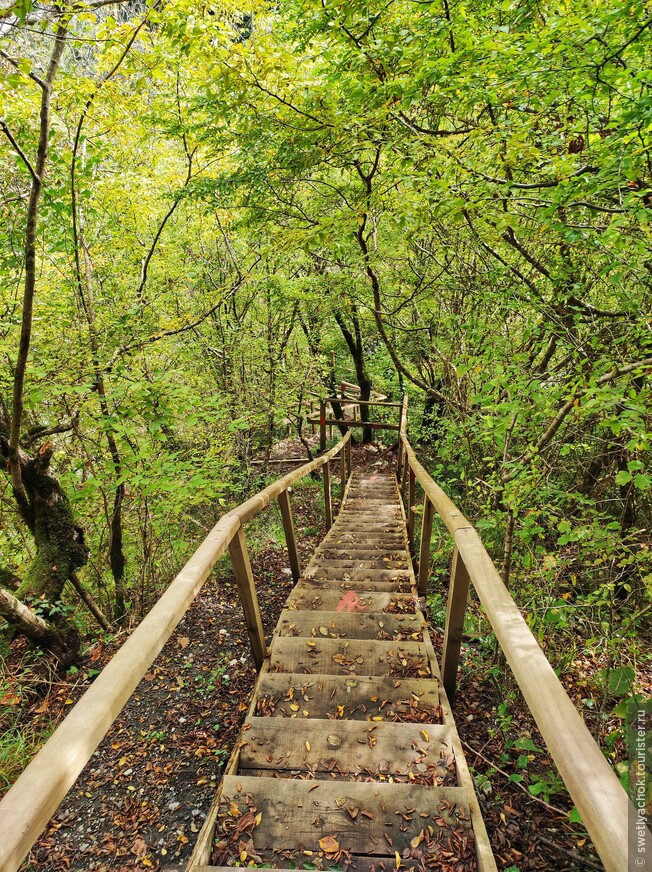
point(200, 204)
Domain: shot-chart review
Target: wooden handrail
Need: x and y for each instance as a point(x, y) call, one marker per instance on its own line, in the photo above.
point(592, 784)
point(35, 796)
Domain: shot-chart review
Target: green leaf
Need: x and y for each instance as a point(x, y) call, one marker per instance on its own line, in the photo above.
point(621, 680)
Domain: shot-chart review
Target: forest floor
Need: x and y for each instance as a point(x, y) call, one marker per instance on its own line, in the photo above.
point(145, 794)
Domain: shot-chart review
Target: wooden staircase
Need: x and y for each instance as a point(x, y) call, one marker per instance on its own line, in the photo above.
point(349, 757)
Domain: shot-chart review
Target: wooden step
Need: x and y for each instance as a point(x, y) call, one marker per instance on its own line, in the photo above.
point(361, 552)
point(356, 576)
point(290, 695)
point(372, 563)
point(418, 753)
point(350, 625)
point(317, 582)
point(350, 657)
point(265, 817)
point(333, 600)
point(370, 540)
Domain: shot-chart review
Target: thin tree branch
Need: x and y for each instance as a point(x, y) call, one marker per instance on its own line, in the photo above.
point(21, 154)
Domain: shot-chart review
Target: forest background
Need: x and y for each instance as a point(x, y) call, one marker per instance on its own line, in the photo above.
point(200, 202)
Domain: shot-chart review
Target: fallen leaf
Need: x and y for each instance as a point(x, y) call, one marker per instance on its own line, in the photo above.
point(184, 641)
point(329, 845)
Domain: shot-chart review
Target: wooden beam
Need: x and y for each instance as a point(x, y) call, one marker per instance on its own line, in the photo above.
point(322, 425)
point(343, 475)
point(424, 550)
point(458, 593)
point(247, 589)
point(355, 422)
point(350, 401)
point(411, 506)
point(290, 535)
point(328, 507)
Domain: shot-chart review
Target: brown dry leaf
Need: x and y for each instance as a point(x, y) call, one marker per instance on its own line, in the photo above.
point(333, 741)
point(329, 845)
point(183, 642)
point(139, 847)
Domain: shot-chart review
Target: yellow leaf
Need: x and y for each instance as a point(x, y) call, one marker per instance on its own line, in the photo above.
point(426, 737)
point(398, 859)
point(258, 819)
point(329, 844)
point(307, 746)
point(243, 856)
point(294, 706)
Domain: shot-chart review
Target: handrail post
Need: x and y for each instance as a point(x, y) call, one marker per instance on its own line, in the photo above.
point(404, 475)
point(328, 508)
point(342, 474)
point(290, 536)
point(322, 425)
point(399, 458)
point(312, 412)
point(424, 550)
point(412, 495)
point(247, 589)
point(458, 592)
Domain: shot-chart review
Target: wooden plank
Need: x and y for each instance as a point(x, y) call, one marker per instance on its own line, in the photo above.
point(410, 509)
point(458, 594)
point(328, 505)
point(424, 549)
point(412, 700)
point(375, 563)
point(348, 625)
point(422, 751)
point(295, 815)
point(322, 425)
point(290, 535)
point(400, 582)
point(343, 401)
point(341, 538)
point(334, 600)
point(247, 590)
point(350, 657)
point(359, 551)
point(351, 422)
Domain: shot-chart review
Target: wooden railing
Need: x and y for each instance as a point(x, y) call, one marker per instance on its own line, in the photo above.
point(35, 796)
point(592, 784)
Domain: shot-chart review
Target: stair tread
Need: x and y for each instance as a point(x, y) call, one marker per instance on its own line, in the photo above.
point(361, 697)
point(350, 625)
point(420, 753)
point(349, 816)
point(350, 657)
